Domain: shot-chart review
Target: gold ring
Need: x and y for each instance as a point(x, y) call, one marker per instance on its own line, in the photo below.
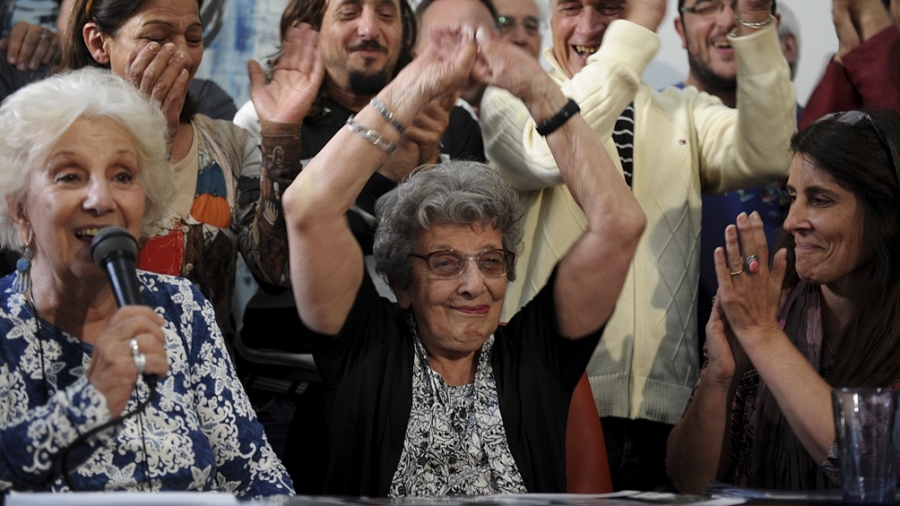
point(735, 273)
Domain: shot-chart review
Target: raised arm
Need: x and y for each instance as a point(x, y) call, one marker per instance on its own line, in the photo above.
point(750, 145)
point(281, 104)
point(603, 88)
point(750, 304)
point(592, 273)
point(326, 260)
point(864, 72)
point(747, 306)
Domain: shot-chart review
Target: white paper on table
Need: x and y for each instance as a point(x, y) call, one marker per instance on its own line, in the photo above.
point(119, 498)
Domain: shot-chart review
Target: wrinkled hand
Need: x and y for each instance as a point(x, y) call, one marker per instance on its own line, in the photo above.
point(30, 46)
point(295, 82)
point(508, 66)
point(646, 13)
point(112, 370)
point(749, 301)
point(445, 65)
point(161, 73)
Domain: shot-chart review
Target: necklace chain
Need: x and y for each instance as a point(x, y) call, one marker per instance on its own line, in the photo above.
point(828, 347)
point(29, 299)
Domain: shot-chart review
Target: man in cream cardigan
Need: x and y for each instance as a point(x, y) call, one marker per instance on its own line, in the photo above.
point(671, 146)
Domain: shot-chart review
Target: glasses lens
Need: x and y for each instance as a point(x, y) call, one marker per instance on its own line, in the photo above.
point(532, 25)
point(707, 8)
point(446, 264)
point(506, 24)
point(493, 263)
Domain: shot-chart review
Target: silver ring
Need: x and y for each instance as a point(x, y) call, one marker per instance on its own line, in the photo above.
point(140, 362)
point(44, 36)
point(751, 265)
point(135, 348)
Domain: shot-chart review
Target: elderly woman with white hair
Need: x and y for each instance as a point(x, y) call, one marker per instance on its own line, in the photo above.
point(81, 152)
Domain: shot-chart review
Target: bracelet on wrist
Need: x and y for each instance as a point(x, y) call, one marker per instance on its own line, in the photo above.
point(387, 115)
point(549, 125)
point(756, 26)
point(370, 135)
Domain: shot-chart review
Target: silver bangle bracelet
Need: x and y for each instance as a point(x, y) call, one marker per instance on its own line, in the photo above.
point(387, 115)
point(755, 26)
point(372, 136)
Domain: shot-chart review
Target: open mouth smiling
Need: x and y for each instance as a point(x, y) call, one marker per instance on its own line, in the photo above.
point(585, 51)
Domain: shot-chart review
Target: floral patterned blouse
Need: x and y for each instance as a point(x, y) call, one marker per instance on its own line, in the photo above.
point(198, 433)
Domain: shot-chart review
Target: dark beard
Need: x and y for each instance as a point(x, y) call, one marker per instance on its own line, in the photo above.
point(709, 79)
point(368, 83)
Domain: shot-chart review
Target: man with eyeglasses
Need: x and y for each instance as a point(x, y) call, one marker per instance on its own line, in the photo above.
point(520, 23)
point(671, 146)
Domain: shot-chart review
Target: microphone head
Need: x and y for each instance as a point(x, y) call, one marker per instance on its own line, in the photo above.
point(113, 241)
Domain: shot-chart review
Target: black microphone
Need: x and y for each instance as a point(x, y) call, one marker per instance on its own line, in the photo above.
point(114, 249)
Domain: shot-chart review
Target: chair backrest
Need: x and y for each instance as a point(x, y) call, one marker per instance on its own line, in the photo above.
point(587, 466)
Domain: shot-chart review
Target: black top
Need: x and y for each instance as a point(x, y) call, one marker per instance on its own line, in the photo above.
point(367, 371)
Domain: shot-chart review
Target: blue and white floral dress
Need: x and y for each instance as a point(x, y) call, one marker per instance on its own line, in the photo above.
point(198, 433)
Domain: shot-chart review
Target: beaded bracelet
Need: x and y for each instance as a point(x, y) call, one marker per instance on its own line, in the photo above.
point(387, 115)
point(372, 136)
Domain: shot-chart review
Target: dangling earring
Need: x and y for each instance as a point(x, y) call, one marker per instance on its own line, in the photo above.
point(23, 271)
point(22, 283)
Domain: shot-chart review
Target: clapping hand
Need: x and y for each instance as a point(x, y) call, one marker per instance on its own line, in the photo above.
point(295, 81)
point(749, 288)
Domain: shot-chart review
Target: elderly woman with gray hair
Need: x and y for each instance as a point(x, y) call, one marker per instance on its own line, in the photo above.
point(92, 396)
point(431, 396)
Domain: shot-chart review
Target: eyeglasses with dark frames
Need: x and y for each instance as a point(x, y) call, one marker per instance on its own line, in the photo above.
point(706, 8)
point(448, 264)
point(854, 118)
point(508, 24)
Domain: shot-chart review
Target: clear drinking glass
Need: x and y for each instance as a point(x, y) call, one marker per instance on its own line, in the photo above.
point(867, 426)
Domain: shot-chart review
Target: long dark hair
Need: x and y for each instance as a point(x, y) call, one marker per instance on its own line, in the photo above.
point(313, 11)
point(109, 16)
point(859, 161)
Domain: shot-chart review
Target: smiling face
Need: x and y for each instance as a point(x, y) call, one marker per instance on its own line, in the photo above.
point(455, 316)
point(161, 21)
point(704, 33)
point(91, 179)
point(360, 43)
point(578, 27)
point(826, 221)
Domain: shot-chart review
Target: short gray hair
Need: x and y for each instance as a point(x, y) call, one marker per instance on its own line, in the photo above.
point(456, 192)
point(33, 118)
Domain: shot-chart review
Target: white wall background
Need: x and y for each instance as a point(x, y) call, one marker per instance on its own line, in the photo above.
point(817, 43)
